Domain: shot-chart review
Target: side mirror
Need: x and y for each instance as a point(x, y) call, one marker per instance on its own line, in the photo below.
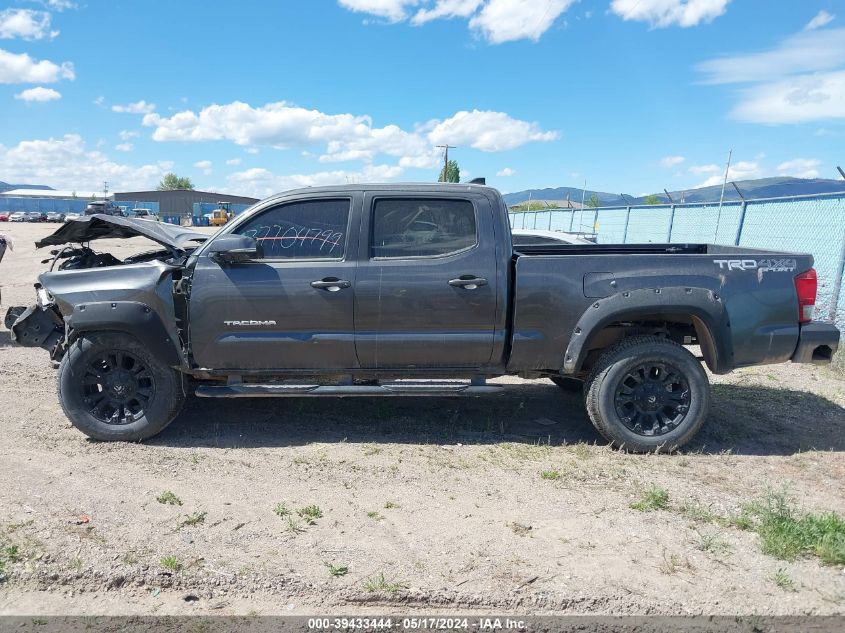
point(233, 249)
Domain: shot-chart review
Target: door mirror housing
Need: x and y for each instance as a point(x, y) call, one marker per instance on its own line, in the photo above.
point(233, 249)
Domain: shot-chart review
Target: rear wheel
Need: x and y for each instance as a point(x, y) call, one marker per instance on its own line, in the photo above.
point(647, 394)
point(111, 388)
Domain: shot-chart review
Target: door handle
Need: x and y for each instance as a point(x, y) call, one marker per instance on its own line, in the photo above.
point(468, 282)
point(331, 284)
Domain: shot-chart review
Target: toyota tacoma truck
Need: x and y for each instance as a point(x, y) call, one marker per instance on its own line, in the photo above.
point(407, 290)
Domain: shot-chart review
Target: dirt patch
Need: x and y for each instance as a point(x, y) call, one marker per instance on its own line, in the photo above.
point(509, 503)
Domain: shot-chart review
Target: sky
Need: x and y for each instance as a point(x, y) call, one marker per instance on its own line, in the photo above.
point(255, 97)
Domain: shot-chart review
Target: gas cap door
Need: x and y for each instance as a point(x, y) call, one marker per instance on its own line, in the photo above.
point(598, 285)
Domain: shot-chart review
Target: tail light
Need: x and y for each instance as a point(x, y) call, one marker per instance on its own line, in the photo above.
point(806, 285)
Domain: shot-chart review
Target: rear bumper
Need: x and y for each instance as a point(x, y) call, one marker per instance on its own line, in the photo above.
point(817, 343)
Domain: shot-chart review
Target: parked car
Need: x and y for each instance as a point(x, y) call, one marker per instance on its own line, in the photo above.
point(362, 290)
point(144, 214)
point(4, 216)
point(535, 237)
point(18, 216)
point(36, 216)
point(71, 216)
point(55, 216)
point(103, 206)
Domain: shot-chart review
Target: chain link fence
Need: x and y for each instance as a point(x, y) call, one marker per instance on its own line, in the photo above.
point(807, 224)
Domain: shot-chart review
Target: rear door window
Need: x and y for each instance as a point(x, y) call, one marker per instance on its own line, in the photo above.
point(422, 227)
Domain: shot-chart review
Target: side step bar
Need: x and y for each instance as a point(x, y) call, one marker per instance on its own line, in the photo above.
point(248, 390)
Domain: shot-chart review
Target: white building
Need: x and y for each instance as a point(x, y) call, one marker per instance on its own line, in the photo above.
point(52, 193)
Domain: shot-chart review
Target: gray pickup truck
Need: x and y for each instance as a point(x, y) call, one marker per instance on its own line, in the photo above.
point(407, 290)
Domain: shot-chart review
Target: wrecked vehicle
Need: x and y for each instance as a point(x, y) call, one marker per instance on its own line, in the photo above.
point(364, 290)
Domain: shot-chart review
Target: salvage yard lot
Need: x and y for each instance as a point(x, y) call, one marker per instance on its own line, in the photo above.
point(508, 503)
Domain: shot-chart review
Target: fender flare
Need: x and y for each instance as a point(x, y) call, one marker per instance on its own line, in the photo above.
point(703, 305)
point(131, 317)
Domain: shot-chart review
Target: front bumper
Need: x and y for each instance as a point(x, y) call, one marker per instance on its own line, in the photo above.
point(817, 343)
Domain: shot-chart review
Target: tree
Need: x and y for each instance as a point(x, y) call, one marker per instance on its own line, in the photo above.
point(653, 199)
point(593, 202)
point(453, 173)
point(171, 181)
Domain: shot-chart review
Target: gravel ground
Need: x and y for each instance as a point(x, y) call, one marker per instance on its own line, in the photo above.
point(507, 504)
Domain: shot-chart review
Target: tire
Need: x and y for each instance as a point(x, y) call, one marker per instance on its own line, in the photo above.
point(113, 389)
point(647, 394)
point(567, 383)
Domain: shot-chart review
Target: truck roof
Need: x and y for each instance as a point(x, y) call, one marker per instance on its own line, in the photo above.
point(407, 187)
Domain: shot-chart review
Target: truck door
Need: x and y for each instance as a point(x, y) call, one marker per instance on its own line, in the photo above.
point(425, 294)
point(292, 309)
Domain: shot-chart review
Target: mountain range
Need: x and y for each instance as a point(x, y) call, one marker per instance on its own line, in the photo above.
point(5, 186)
point(751, 189)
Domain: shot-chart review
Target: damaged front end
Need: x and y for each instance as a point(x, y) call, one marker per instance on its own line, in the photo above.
point(40, 325)
point(87, 289)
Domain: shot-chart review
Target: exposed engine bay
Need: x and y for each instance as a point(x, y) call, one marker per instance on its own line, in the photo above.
point(82, 256)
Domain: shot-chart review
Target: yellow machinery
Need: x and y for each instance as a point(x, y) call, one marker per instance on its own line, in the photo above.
point(221, 214)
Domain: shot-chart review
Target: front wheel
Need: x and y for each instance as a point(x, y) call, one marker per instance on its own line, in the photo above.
point(112, 388)
point(647, 394)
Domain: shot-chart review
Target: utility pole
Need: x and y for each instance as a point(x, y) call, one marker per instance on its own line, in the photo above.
point(446, 149)
point(105, 190)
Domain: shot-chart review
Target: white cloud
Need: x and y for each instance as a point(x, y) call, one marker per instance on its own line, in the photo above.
point(822, 18)
point(393, 10)
point(446, 9)
point(486, 131)
point(125, 135)
point(124, 147)
point(704, 169)
point(39, 94)
point(260, 182)
point(742, 170)
point(663, 13)
point(23, 69)
point(139, 107)
point(25, 24)
point(66, 163)
point(671, 161)
point(508, 20)
point(59, 5)
point(801, 99)
point(800, 80)
point(503, 173)
point(800, 168)
point(800, 53)
point(277, 124)
point(497, 21)
point(204, 165)
point(346, 137)
point(233, 161)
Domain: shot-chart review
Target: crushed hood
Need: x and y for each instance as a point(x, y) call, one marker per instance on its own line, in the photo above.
point(100, 226)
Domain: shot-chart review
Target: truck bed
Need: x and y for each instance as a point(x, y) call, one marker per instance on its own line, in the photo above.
point(747, 294)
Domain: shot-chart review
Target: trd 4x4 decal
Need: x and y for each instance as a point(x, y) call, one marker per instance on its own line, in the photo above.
point(765, 265)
